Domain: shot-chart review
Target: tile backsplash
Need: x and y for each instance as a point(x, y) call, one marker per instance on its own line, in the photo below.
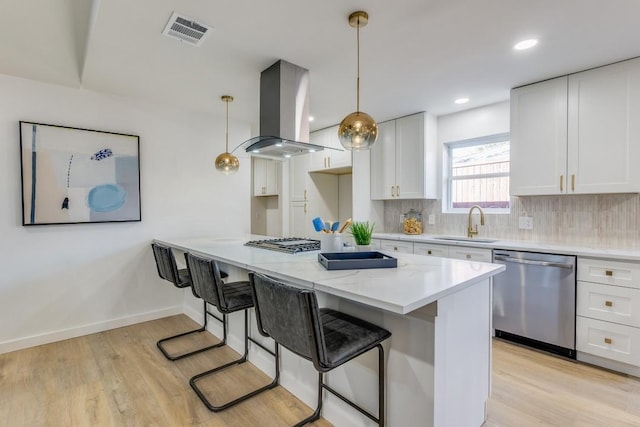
point(605, 220)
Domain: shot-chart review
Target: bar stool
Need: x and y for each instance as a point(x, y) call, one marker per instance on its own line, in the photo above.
point(327, 337)
point(227, 298)
point(168, 270)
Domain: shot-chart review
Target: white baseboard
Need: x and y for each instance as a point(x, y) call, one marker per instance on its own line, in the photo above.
point(50, 337)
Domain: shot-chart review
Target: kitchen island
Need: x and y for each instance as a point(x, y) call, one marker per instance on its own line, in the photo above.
point(438, 310)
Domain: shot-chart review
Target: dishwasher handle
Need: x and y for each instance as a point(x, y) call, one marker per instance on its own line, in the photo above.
point(532, 262)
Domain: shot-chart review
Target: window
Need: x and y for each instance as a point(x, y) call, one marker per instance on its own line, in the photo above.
point(477, 173)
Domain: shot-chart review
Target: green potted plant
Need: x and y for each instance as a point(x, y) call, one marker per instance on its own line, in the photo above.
point(361, 232)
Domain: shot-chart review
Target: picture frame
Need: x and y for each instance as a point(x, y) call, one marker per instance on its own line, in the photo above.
point(73, 175)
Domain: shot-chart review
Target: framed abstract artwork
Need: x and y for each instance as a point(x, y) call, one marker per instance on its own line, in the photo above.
point(72, 175)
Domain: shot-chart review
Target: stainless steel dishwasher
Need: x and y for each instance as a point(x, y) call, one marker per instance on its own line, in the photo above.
point(534, 300)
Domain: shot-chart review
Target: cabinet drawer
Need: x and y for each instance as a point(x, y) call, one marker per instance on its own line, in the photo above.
point(430, 249)
point(609, 340)
point(396, 246)
point(471, 254)
point(609, 272)
point(610, 303)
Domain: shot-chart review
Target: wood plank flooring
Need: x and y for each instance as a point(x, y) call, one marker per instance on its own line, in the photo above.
point(119, 378)
point(532, 388)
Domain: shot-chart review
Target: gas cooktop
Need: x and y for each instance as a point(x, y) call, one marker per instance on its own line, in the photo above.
point(289, 245)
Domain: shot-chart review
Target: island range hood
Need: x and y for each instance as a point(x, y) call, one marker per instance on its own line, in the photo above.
point(284, 113)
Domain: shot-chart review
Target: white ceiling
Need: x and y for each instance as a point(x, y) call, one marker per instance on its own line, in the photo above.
point(416, 55)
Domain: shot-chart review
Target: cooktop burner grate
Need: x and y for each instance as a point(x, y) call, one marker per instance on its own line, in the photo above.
point(289, 245)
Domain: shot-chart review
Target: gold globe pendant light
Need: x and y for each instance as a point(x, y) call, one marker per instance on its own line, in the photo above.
point(226, 162)
point(358, 131)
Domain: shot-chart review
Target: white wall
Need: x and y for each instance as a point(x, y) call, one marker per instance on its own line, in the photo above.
point(487, 120)
point(67, 280)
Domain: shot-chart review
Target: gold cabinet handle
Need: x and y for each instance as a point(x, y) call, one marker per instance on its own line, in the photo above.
point(392, 191)
point(305, 194)
point(305, 208)
point(397, 191)
point(573, 182)
point(608, 340)
point(608, 303)
point(561, 183)
point(608, 273)
point(329, 161)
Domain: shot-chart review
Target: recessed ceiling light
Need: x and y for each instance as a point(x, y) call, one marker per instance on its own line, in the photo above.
point(461, 100)
point(311, 118)
point(525, 44)
point(287, 155)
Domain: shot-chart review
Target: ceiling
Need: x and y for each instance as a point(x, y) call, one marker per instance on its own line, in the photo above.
point(416, 55)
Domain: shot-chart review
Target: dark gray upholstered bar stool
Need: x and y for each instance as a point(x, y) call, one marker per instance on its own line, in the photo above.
point(327, 337)
point(227, 298)
point(168, 270)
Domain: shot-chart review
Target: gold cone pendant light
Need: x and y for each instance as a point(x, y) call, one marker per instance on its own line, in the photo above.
point(358, 131)
point(226, 162)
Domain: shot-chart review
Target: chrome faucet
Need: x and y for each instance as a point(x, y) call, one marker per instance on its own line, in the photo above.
point(470, 230)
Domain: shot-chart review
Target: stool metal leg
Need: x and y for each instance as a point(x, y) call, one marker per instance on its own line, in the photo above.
point(381, 396)
point(203, 328)
point(316, 414)
point(240, 360)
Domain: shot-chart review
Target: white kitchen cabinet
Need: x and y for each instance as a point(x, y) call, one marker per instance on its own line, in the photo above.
point(265, 177)
point(470, 254)
point(577, 134)
point(300, 224)
point(539, 138)
point(604, 129)
point(431, 249)
point(608, 313)
point(399, 246)
point(403, 160)
point(333, 159)
point(299, 181)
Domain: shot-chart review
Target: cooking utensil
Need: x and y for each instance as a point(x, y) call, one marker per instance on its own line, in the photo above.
point(318, 224)
point(346, 224)
point(334, 226)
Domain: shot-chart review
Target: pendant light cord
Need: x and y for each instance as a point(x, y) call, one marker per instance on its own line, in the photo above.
point(227, 129)
point(358, 67)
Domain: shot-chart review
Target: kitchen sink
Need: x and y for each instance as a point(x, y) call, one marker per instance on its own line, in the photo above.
point(466, 239)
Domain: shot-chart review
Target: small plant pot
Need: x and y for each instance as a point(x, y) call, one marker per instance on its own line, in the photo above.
point(363, 248)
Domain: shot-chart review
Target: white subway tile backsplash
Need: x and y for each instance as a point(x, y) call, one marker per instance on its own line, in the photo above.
point(606, 220)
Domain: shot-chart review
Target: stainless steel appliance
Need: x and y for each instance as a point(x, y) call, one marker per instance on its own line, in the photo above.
point(289, 245)
point(534, 300)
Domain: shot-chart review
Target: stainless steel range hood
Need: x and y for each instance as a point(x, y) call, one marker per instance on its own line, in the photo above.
point(284, 113)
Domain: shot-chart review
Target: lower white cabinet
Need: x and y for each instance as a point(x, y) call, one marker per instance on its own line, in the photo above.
point(397, 246)
point(608, 311)
point(609, 340)
point(430, 249)
point(470, 254)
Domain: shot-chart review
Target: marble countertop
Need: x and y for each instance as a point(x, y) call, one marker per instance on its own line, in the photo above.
point(522, 245)
point(416, 282)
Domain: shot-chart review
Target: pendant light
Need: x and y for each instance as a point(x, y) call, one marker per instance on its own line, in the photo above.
point(358, 131)
point(226, 162)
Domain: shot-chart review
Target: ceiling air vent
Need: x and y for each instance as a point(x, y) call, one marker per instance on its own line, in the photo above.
point(186, 29)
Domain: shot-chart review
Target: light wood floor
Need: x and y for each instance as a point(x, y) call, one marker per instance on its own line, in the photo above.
point(119, 378)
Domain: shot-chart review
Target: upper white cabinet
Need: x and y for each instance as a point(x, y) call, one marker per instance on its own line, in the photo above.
point(265, 177)
point(403, 160)
point(333, 158)
point(299, 177)
point(539, 138)
point(577, 134)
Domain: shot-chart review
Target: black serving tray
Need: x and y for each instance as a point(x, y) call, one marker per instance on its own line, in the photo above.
point(356, 260)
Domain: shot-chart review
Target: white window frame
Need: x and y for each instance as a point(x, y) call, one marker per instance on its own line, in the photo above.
point(448, 178)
